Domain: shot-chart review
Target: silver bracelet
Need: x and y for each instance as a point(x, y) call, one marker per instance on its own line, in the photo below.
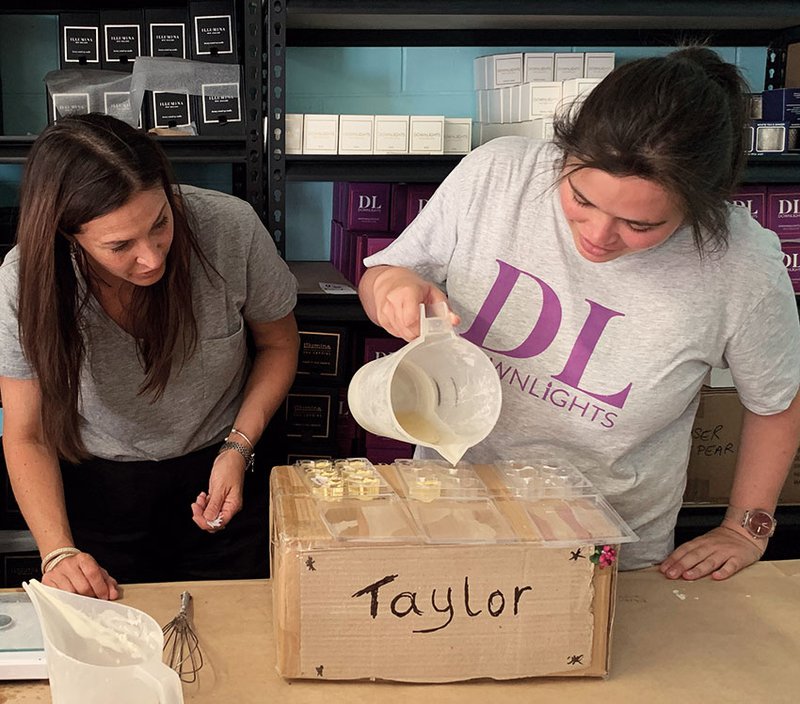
point(241, 434)
point(243, 450)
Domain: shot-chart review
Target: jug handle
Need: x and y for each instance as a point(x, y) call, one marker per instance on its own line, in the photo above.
point(434, 320)
point(162, 680)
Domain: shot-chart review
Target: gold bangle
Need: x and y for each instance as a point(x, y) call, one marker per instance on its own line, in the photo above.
point(241, 434)
point(56, 556)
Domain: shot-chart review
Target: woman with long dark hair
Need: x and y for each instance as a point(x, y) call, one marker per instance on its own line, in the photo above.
point(133, 409)
point(605, 273)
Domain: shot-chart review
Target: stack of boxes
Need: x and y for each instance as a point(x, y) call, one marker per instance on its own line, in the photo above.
point(355, 135)
point(775, 123)
point(519, 93)
point(777, 208)
point(367, 217)
point(113, 39)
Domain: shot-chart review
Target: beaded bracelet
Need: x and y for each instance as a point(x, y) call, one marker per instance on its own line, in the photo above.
point(52, 558)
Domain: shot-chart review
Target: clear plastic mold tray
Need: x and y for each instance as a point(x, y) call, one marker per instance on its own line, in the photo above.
point(355, 503)
point(543, 479)
point(451, 504)
point(334, 480)
point(431, 480)
point(584, 519)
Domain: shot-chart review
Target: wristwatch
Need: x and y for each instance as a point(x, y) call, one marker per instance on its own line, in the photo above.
point(759, 522)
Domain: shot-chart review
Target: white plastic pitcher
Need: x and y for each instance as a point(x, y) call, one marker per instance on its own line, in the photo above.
point(101, 651)
point(440, 390)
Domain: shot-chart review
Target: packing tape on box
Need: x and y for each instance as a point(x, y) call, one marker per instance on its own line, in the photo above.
point(126, 90)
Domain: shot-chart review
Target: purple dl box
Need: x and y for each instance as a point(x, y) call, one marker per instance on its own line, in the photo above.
point(783, 211)
point(407, 201)
point(377, 347)
point(367, 206)
point(754, 198)
point(791, 258)
point(367, 245)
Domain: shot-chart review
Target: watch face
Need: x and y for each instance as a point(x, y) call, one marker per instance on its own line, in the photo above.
point(760, 523)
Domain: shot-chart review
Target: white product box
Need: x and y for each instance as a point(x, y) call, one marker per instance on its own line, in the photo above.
point(320, 134)
point(356, 133)
point(538, 66)
point(391, 134)
point(568, 65)
point(540, 99)
point(479, 72)
point(503, 70)
point(426, 134)
point(512, 104)
point(482, 99)
point(495, 113)
point(575, 90)
point(457, 135)
point(294, 133)
point(598, 64)
point(540, 128)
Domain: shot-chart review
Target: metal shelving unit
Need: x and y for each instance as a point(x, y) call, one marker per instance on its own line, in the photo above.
point(244, 154)
point(773, 23)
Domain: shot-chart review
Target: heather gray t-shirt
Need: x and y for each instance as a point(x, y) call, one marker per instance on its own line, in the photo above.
point(604, 360)
point(203, 396)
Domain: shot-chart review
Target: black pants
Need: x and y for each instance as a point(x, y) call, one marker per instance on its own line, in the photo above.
point(135, 519)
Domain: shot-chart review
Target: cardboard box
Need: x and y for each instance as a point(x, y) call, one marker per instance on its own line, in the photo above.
point(361, 591)
point(214, 31)
point(167, 32)
point(122, 38)
point(715, 448)
point(754, 198)
point(323, 352)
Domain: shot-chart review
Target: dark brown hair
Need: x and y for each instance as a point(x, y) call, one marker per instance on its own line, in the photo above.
point(79, 169)
point(677, 120)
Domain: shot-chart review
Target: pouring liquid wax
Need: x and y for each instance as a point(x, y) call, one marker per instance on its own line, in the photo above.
point(99, 651)
point(440, 390)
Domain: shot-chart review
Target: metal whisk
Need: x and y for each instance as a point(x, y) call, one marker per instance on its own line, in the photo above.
point(181, 647)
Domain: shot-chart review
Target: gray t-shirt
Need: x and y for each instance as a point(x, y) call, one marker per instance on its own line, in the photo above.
point(602, 360)
point(203, 396)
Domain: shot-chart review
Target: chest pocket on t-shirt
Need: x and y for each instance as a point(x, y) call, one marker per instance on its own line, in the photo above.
point(224, 364)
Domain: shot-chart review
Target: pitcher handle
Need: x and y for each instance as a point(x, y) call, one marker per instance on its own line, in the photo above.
point(434, 319)
point(163, 680)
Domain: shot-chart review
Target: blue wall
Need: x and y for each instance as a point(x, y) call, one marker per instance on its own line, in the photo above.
point(386, 80)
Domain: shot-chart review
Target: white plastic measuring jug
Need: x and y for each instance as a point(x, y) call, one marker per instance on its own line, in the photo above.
point(100, 651)
point(440, 390)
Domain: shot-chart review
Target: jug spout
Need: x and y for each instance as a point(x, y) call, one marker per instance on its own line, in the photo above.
point(452, 452)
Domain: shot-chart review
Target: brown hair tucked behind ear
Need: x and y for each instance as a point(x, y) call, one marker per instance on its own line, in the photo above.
point(677, 120)
point(79, 169)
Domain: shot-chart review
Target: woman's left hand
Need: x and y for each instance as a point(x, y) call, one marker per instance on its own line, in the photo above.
point(213, 511)
point(721, 552)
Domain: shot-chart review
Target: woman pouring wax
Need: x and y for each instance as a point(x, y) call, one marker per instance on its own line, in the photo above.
point(133, 410)
point(604, 274)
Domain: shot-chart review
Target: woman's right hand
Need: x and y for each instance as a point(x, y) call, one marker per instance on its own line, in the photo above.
point(80, 574)
point(394, 295)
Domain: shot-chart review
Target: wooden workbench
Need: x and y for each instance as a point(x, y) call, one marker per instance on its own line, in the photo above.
point(733, 641)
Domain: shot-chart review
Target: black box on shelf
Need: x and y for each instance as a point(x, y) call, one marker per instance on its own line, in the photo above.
point(311, 414)
point(122, 38)
point(67, 104)
point(220, 109)
point(166, 32)
point(167, 109)
point(79, 40)
point(214, 31)
point(117, 103)
point(324, 353)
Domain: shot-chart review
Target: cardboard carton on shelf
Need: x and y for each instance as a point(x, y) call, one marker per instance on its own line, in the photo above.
point(715, 449)
point(435, 574)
